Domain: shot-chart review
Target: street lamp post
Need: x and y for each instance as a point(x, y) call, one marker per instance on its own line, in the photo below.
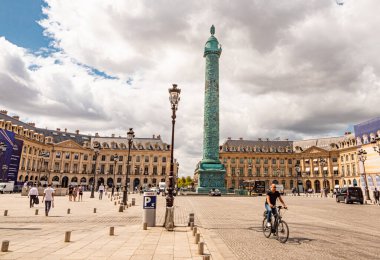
point(115, 160)
point(130, 136)
point(298, 169)
point(96, 151)
point(323, 163)
point(5, 168)
point(362, 155)
point(169, 215)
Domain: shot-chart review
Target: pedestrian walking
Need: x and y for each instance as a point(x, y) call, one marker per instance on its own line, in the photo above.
point(101, 190)
point(33, 196)
point(80, 192)
point(112, 190)
point(75, 193)
point(376, 195)
point(71, 189)
point(49, 199)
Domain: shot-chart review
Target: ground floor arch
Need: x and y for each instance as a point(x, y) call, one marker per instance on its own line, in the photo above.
point(136, 183)
point(65, 182)
point(317, 186)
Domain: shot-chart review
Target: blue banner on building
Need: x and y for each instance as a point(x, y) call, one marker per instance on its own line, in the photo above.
point(10, 158)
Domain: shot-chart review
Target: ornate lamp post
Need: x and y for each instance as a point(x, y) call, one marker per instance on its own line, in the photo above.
point(323, 163)
point(169, 215)
point(130, 136)
point(362, 156)
point(298, 169)
point(96, 151)
point(115, 160)
point(4, 168)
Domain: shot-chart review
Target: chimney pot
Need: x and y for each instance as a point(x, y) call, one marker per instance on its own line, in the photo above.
point(77, 132)
point(16, 117)
point(96, 134)
point(5, 112)
point(58, 129)
point(65, 130)
point(113, 135)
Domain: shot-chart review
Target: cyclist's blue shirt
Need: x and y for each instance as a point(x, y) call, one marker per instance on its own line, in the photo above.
point(272, 197)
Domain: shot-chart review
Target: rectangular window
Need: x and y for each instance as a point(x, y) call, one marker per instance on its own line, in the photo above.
point(343, 172)
point(341, 158)
point(147, 159)
point(290, 161)
point(241, 171)
point(84, 168)
point(56, 167)
point(111, 169)
point(102, 168)
point(146, 170)
point(224, 160)
point(66, 167)
point(249, 160)
point(103, 158)
point(120, 169)
point(75, 168)
point(266, 161)
point(249, 172)
point(164, 159)
point(353, 169)
point(121, 158)
point(163, 170)
point(232, 160)
point(257, 171)
point(85, 157)
point(258, 161)
point(334, 159)
point(346, 158)
point(76, 156)
point(298, 162)
point(67, 156)
point(233, 170)
point(274, 161)
point(282, 161)
point(137, 158)
point(241, 160)
point(155, 170)
point(155, 159)
point(348, 170)
point(58, 155)
point(307, 161)
point(265, 170)
point(290, 173)
point(352, 157)
point(137, 170)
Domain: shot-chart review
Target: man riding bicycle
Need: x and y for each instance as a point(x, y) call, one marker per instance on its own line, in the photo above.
point(270, 202)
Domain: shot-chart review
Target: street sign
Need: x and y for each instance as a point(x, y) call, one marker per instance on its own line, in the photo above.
point(150, 199)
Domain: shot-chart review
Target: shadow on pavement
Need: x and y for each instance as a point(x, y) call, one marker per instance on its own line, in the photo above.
point(298, 240)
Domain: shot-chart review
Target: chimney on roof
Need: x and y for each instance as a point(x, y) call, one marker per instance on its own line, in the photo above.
point(159, 137)
point(5, 112)
point(113, 135)
point(32, 124)
point(240, 138)
point(154, 136)
point(267, 139)
point(58, 129)
point(228, 138)
point(16, 117)
point(77, 132)
point(65, 130)
point(260, 139)
point(96, 134)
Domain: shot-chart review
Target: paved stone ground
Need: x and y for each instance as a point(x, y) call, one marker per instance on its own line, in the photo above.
point(320, 228)
point(41, 237)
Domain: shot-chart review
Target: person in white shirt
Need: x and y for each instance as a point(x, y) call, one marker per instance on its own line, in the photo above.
point(32, 195)
point(49, 198)
point(101, 190)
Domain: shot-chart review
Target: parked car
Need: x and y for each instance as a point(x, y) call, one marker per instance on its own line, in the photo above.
point(350, 195)
point(214, 192)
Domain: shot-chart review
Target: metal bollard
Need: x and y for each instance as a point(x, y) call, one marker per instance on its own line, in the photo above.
point(191, 219)
point(206, 257)
point(112, 231)
point(133, 201)
point(68, 211)
point(192, 225)
point(121, 208)
point(194, 231)
point(94, 210)
point(115, 203)
point(36, 213)
point(201, 248)
point(6, 212)
point(4, 246)
point(118, 202)
point(197, 238)
point(145, 226)
point(67, 236)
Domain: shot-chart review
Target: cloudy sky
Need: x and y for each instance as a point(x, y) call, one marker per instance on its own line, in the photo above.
point(290, 69)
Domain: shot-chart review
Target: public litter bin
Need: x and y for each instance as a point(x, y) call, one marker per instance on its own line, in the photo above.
point(149, 208)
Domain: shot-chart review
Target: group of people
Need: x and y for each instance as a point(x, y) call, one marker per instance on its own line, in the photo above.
point(48, 197)
point(75, 192)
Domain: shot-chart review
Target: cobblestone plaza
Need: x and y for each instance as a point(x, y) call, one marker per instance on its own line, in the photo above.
point(229, 226)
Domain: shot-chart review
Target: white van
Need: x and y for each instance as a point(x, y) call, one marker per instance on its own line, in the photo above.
point(280, 188)
point(7, 187)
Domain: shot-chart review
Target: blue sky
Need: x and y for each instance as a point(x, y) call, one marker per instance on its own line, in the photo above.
point(18, 23)
point(290, 69)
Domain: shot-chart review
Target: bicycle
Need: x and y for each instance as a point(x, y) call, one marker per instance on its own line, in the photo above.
point(278, 228)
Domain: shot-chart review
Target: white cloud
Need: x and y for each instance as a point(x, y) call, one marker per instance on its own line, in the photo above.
point(289, 69)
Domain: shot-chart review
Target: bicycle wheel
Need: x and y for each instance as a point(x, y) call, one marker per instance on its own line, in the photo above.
point(266, 230)
point(282, 231)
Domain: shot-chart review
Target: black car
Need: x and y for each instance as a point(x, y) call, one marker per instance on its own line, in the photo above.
point(350, 195)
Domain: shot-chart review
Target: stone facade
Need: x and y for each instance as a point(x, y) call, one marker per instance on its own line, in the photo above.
point(63, 158)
